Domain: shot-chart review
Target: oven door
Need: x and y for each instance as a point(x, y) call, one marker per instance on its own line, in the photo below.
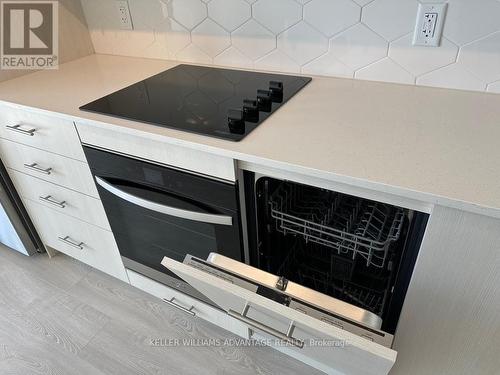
point(150, 223)
point(322, 345)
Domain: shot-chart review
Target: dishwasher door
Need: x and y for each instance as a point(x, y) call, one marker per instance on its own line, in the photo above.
point(316, 342)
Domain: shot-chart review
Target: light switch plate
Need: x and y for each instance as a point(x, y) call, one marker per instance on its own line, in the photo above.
point(429, 25)
point(124, 14)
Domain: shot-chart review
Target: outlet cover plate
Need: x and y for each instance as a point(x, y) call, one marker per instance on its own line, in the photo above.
point(429, 25)
point(123, 13)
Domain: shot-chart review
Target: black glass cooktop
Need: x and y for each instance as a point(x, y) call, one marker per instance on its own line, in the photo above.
point(221, 103)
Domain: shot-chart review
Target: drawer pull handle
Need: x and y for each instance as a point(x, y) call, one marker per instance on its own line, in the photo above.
point(67, 240)
point(35, 167)
point(18, 129)
point(269, 330)
point(179, 307)
point(50, 200)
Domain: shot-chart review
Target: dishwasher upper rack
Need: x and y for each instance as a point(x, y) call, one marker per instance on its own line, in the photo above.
point(351, 226)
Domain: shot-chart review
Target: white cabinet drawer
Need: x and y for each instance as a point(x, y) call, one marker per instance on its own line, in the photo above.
point(65, 201)
point(49, 167)
point(157, 151)
point(87, 243)
point(183, 302)
point(41, 131)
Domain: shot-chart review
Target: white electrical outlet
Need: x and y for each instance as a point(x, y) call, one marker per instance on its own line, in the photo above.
point(124, 14)
point(429, 26)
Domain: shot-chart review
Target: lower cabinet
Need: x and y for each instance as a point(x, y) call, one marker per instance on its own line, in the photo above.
point(187, 304)
point(86, 242)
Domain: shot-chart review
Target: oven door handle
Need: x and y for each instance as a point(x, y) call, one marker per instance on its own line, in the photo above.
point(163, 209)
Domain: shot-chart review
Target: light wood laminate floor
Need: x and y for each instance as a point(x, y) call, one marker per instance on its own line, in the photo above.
point(58, 316)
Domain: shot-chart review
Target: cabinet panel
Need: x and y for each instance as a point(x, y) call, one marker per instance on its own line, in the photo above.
point(63, 200)
point(87, 243)
point(48, 133)
point(450, 320)
point(157, 151)
point(47, 166)
point(199, 308)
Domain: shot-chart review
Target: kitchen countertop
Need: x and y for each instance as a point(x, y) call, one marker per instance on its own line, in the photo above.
point(433, 145)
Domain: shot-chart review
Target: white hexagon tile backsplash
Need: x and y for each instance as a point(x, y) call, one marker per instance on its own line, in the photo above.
point(364, 39)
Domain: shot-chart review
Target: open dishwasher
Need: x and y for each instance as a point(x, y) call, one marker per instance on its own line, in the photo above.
point(325, 273)
point(352, 249)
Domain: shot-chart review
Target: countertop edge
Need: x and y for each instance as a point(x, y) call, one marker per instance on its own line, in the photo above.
point(417, 196)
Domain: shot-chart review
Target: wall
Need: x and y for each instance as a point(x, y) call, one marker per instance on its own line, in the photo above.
point(365, 39)
point(74, 38)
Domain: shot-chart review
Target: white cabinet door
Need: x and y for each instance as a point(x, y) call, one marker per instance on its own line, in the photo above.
point(42, 131)
point(85, 242)
point(318, 343)
point(70, 173)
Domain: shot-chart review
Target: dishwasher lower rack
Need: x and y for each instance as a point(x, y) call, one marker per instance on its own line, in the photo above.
point(353, 227)
point(331, 275)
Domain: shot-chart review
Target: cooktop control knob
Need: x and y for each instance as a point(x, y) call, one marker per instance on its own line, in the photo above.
point(235, 121)
point(264, 102)
point(276, 90)
point(250, 110)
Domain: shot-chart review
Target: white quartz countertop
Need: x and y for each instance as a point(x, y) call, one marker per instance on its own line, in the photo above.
point(432, 145)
